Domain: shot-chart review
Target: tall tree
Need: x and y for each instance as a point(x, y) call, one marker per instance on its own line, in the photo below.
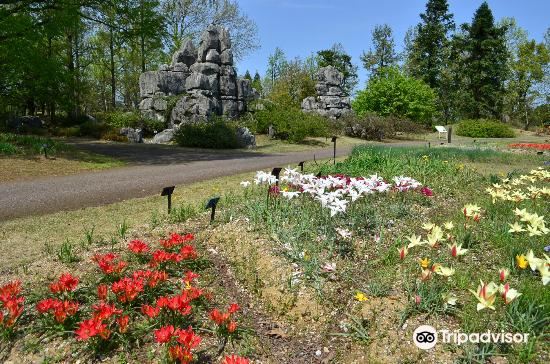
point(527, 70)
point(429, 48)
point(257, 83)
point(383, 55)
point(484, 64)
point(337, 57)
point(188, 19)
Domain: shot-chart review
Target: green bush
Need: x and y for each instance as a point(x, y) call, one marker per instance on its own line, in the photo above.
point(118, 119)
point(216, 134)
point(374, 127)
point(482, 128)
point(394, 93)
point(290, 123)
point(28, 144)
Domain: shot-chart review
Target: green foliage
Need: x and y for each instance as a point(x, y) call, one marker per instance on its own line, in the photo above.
point(484, 65)
point(290, 123)
point(29, 144)
point(427, 57)
point(293, 85)
point(393, 93)
point(216, 134)
point(118, 119)
point(383, 55)
point(374, 127)
point(481, 128)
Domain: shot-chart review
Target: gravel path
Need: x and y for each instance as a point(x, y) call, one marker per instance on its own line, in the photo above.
point(152, 167)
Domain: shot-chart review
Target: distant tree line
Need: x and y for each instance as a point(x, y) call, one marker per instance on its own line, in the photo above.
point(73, 57)
point(484, 69)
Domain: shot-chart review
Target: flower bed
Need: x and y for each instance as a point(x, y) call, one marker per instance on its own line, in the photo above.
point(141, 296)
point(536, 146)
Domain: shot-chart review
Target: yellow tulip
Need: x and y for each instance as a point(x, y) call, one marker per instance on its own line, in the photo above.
point(521, 261)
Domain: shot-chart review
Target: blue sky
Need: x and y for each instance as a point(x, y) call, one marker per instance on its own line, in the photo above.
point(301, 27)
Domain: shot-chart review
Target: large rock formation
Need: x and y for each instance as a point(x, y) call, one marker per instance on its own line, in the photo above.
point(331, 101)
point(202, 79)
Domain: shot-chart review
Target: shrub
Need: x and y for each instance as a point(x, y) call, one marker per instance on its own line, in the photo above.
point(217, 134)
point(394, 93)
point(373, 127)
point(481, 128)
point(290, 123)
point(117, 120)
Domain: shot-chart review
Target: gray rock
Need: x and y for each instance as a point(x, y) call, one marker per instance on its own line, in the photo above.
point(225, 40)
point(159, 104)
point(193, 108)
point(180, 67)
point(207, 69)
point(309, 103)
point(227, 57)
point(245, 138)
point(133, 135)
point(197, 81)
point(331, 101)
point(146, 104)
point(172, 83)
point(228, 86)
point(153, 115)
point(164, 137)
point(331, 76)
point(148, 84)
point(230, 108)
point(244, 89)
point(187, 54)
point(210, 39)
point(213, 56)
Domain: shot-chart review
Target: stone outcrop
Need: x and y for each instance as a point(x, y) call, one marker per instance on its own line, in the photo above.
point(202, 79)
point(331, 101)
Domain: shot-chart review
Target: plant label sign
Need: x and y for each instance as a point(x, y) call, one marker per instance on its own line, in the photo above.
point(168, 191)
point(212, 204)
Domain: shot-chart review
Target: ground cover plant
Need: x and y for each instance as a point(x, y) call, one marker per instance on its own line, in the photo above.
point(13, 144)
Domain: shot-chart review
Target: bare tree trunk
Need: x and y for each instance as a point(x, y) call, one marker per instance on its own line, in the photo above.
point(112, 69)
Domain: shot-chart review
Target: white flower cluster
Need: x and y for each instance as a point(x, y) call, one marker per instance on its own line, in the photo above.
point(335, 192)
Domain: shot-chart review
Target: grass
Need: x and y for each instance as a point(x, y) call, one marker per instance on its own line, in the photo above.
point(22, 157)
point(268, 145)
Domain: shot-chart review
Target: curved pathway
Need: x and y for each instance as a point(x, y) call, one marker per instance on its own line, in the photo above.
point(152, 168)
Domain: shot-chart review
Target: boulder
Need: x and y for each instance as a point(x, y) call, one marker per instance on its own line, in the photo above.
point(187, 54)
point(146, 104)
point(213, 56)
point(244, 89)
point(153, 115)
point(210, 39)
point(230, 108)
point(228, 86)
point(227, 57)
point(207, 69)
point(309, 103)
point(133, 135)
point(197, 81)
point(196, 107)
point(171, 83)
point(159, 104)
point(164, 137)
point(225, 40)
point(245, 138)
point(148, 83)
point(180, 67)
point(331, 76)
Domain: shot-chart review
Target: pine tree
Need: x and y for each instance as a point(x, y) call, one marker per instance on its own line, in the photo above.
point(484, 64)
point(257, 83)
point(247, 75)
point(383, 55)
point(427, 56)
